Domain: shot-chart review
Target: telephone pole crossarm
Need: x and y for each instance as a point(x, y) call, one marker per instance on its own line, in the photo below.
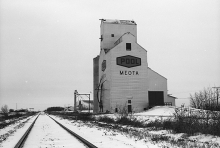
point(76, 94)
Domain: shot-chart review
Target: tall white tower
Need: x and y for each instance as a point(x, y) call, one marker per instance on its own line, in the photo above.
point(112, 30)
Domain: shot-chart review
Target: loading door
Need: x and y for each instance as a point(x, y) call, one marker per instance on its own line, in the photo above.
point(129, 106)
point(156, 98)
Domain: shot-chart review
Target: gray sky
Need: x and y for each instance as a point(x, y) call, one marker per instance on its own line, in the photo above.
point(47, 46)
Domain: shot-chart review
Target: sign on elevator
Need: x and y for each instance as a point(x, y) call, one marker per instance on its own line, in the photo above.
point(128, 61)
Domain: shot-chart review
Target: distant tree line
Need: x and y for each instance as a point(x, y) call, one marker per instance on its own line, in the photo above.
point(55, 109)
point(8, 113)
point(21, 110)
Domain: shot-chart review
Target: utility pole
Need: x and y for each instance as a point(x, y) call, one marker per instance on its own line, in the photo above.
point(75, 93)
point(217, 93)
point(89, 103)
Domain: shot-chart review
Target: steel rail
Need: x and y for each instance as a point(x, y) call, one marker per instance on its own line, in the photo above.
point(87, 143)
point(20, 143)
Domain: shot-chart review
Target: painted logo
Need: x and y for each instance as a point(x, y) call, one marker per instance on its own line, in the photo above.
point(128, 61)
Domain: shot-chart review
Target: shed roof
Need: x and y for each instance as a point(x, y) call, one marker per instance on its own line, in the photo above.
point(172, 96)
point(156, 73)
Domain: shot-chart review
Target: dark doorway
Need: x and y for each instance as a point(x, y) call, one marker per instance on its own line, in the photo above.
point(156, 98)
point(129, 109)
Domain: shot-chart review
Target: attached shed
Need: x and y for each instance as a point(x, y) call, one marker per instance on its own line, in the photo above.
point(170, 100)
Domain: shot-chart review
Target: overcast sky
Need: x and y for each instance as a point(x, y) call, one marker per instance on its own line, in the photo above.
point(47, 46)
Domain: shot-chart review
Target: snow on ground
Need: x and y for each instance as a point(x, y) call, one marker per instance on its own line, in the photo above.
point(11, 134)
point(205, 138)
point(104, 138)
point(5, 132)
point(155, 113)
point(158, 111)
point(47, 133)
point(165, 112)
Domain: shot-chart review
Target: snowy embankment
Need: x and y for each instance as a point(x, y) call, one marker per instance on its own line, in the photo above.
point(11, 134)
point(106, 135)
point(169, 111)
point(161, 113)
point(158, 111)
point(103, 137)
point(114, 135)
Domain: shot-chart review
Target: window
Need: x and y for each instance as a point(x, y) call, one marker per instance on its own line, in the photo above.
point(112, 35)
point(128, 46)
point(129, 101)
point(168, 103)
point(101, 38)
point(116, 110)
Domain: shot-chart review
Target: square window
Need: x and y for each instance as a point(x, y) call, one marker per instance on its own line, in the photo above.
point(128, 46)
point(101, 38)
point(112, 35)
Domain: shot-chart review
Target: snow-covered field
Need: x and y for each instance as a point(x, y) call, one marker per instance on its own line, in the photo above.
point(105, 135)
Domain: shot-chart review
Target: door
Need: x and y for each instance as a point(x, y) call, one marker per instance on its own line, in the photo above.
point(129, 109)
point(156, 98)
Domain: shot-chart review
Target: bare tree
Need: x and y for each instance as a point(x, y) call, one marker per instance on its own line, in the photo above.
point(100, 89)
point(205, 99)
point(5, 110)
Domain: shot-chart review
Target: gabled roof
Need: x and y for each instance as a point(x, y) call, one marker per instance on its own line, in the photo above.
point(119, 41)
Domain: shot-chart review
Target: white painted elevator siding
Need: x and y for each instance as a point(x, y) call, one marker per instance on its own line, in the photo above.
point(119, 88)
point(156, 82)
point(118, 30)
point(106, 74)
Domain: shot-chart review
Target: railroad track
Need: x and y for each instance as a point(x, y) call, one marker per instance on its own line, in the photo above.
point(45, 131)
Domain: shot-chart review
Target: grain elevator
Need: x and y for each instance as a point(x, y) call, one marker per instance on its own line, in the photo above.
point(121, 76)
